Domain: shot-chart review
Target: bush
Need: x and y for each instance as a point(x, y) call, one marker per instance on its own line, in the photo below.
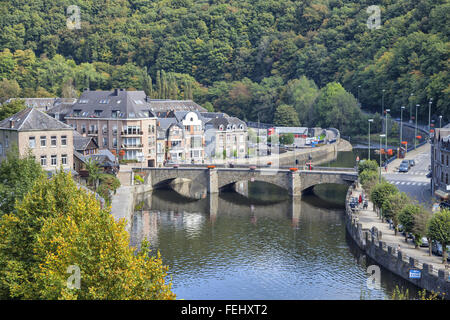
point(368, 165)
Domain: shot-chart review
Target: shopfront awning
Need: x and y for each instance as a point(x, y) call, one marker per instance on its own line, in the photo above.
point(442, 194)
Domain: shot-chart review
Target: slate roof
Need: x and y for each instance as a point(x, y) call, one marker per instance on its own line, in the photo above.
point(105, 104)
point(225, 121)
point(81, 143)
point(175, 105)
point(31, 119)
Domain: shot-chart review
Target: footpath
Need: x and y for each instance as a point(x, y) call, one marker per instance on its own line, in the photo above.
point(369, 219)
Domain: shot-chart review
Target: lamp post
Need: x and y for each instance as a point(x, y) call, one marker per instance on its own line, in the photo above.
point(440, 122)
point(401, 125)
point(370, 120)
point(381, 136)
point(410, 108)
point(359, 88)
point(415, 130)
point(382, 103)
point(387, 111)
point(429, 114)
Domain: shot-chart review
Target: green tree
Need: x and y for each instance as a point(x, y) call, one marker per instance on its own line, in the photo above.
point(287, 138)
point(367, 165)
point(17, 177)
point(94, 172)
point(409, 218)
point(8, 89)
point(392, 207)
point(380, 192)
point(11, 108)
point(439, 230)
point(369, 179)
point(286, 116)
point(57, 226)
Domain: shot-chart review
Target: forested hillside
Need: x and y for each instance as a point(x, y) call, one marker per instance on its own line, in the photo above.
point(244, 57)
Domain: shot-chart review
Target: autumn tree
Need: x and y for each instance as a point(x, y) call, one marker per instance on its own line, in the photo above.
point(58, 227)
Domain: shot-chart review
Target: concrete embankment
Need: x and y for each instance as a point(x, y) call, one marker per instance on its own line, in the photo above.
point(383, 248)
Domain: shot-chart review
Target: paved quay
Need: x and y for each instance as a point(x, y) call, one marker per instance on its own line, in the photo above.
point(369, 219)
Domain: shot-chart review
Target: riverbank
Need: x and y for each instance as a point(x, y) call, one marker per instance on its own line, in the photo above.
point(380, 243)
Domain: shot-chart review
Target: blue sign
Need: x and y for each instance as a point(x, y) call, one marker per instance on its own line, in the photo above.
point(415, 274)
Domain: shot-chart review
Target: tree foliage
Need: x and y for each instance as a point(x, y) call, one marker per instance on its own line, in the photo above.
point(439, 230)
point(243, 57)
point(57, 226)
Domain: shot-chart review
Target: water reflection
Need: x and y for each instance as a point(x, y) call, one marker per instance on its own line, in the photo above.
point(264, 246)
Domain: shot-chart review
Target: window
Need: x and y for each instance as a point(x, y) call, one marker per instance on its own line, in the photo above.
point(114, 142)
point(115, 114)
point(53, 141)
point(114, 130)
point(64, 140)
point(43, 161)
point(43, 141)
point(105, 129)
point(32, 142)
point(64, 159)
point(1, 149)
point(105, 141)
point(97, 113)
point(53, 159)
point(83, 128)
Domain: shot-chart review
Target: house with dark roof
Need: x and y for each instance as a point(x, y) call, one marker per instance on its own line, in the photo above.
point(119, 120)
point(225, 136)
point(49, 140)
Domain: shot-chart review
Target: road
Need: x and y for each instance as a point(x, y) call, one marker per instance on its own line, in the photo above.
point(414, 182)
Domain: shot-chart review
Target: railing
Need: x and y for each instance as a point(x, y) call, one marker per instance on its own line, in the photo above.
point(128, 133)
point(130, 146)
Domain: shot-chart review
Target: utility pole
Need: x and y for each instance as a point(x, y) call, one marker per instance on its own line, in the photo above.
point(381, 136)
point(368, 150)
point(415, 131)
point(429, 115)
point(387, 111)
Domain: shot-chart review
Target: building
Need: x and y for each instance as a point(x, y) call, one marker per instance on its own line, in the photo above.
point(118, 120)
point(49, 140)
point(45, 104)
point(226, 136)
point(440, 154)
point(194, 142)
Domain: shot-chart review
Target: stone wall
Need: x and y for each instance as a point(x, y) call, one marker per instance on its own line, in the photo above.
point(370, 241)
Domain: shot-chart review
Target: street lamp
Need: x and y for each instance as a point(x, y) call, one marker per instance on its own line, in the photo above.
point(440, 122)
point(415, 131)
point(370, 120)
point(401, 125)
point(410, 108)
point(359, 88)
point(381, 136)
point(429, 114)
point(387, 111)
point(382, 103)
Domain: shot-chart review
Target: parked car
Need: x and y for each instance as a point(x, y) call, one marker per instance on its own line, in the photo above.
point(406, 162)
point(424, 242)
point(412, 163)
point(429, 174)
point(403, 168)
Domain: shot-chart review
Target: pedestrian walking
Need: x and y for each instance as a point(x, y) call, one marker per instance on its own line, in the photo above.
point(360, 199)
point(386, 168)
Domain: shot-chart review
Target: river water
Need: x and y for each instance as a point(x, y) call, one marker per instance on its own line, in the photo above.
point(264, 246)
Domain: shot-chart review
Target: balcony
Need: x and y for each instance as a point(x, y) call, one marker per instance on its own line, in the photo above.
point(132, 133)
point(131, 146)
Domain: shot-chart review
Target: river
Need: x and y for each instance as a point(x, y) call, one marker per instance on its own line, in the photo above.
point(264, 246)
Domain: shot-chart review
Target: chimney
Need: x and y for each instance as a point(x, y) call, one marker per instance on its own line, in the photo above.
point(11, 124)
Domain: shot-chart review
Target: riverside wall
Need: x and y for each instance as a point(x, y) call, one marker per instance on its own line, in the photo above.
point(370, 241)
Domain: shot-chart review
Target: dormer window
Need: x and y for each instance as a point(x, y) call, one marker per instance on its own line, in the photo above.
point(84, 101)
point(115, 114)
point(104, 101)
point(76, 112)
point(97, 113)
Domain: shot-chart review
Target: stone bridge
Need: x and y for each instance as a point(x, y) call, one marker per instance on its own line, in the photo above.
point(214, 179)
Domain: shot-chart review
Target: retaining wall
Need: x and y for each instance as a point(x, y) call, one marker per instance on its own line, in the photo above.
point(370, 241)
